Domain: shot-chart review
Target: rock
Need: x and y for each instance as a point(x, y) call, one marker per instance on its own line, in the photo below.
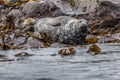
point(67, 52)
point(23, 54)
point(19, 40)
point(63, 29)
point(101, 31)
point(109, 23)
point(94, 49)
point(54, 45)
point(109, 8)
point(41, 9)
point(53, 55)
point(91, 39)
point(16, 13)
point(29, 21)
point(116, 36)
point(6, 47)
point(6, 60)
point(97, 9)
point(111, 38)
point(2, 56)
point(34, 43)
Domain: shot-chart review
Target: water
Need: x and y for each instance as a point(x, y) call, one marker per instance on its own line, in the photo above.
point(82, 66)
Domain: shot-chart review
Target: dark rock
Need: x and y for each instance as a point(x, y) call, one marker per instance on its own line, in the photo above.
point(23, 54)
point(53, 55)
point(6, 47)
point(63, 29)
point(109, 23)
point(2, 56)
point(6, 60)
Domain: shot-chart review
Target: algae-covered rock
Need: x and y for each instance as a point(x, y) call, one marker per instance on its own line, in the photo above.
point(63, 29)
point(94, 49)
point(91, 39)
point(67, 52)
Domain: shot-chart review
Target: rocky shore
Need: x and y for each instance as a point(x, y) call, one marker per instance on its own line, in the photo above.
point(42, 23)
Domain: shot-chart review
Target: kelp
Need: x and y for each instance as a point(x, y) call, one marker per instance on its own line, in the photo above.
point(67, 52)
point(94, 49)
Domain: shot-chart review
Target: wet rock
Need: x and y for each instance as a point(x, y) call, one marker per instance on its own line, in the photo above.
point(98, 9)
point(23, 54)
point(94, 49)
point(41, 9)
point(54, 45)
point(53, 55)
point(91, 39)
point(29, 21)
point(76, 7)
point(67, 52)
point(111, 38)
point(6, 47)
point(2, 56)
point(31, 9)
point(101, 31)
point(19, 40)
point(6, 60)
point(34, 43)
point(16, 13)
point(116, 36)
point(45, 79)
point(109, 23)
point(63, 29)
point(112, 41)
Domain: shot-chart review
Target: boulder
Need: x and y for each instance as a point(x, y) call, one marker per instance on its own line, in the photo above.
point(63, 29)
point(91, 39)
point(41, 9)
point(97, 9)
point(34, 43)
point(94, 49)
point(16, 13)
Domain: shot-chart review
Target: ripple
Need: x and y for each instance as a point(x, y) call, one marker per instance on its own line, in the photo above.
point(82, 66)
